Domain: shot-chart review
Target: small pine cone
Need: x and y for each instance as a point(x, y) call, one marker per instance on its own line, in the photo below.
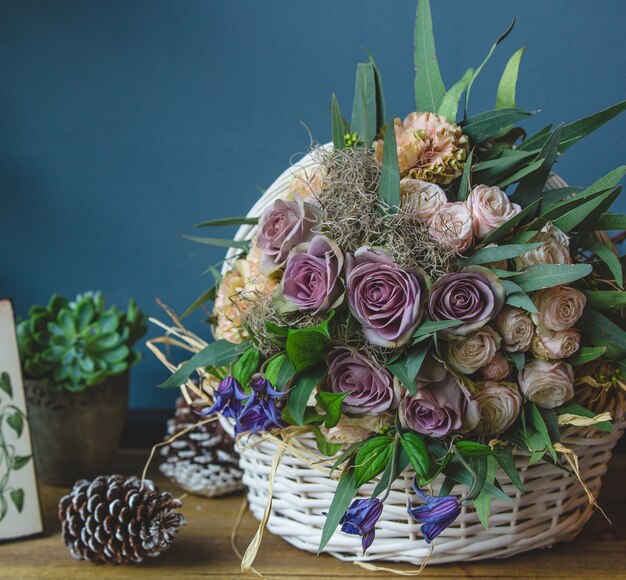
point(203, 461)
point(118, 519)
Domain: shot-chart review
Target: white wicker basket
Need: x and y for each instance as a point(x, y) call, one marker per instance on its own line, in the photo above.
point(554, 508)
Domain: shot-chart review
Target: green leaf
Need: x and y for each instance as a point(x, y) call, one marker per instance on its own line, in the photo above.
point(572, 408)
point(429, 328)
point(603, 332)
point(429, 87)
point(450, 104)
point(482, 64)
point(482, 505)
point(547, 275)
point(364, 105)
point(611, 221)
point(415, 448)
point(504, 457)
point(508, 226)
point(497, 253)
point(216, 354)
point(586, 354)
point(521, 300)
point(246, 365)
point(372, 458)
point(465, 185)
point(305, 346)
point(5, 384)
point(460, 474)
point(20, 461)
point(553, 196)
point(406, 367)
point(331, 404)
point(323, 445)
point(505, 98)
point(279, 370)
point(491, 124)
point(531, 187)
point(473, 449)
point(518, 358)
point(402, 460)
point(611, 260)
point(204, 297)
point(220, 243)
point(301, 392)
point(389, 183)
point(16, 422)
point(606, 299)
point(588, 212)
point(523, 172)
point(380, 95)
point(17, 497)
point(338, 130)
point(231, 221)
point(540, 424)
point(346, 490)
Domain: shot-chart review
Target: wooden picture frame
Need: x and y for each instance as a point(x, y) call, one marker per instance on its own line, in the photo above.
point(20, 511)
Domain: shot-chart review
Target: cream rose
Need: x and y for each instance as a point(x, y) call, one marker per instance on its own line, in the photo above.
point(489, 207)
point(497, 369)
point(559, 307)
point(422, 199)
point(555, 345)
point(469, 354)
point(451, 226)
point(555, 248)
point(516, 329)
point(547, 384)
point(500, 404)
point(351, 430)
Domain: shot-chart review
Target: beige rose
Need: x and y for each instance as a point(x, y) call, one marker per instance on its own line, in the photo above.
point(451, 226)
point(559, 307)
point(490, 208)
point(547, 384)
point(555, 248)
point(555, 344)
point(500, 405)
point(516, 329)
point(351, 430)
point(497, 369)
point(469, 354)
point(422, 199)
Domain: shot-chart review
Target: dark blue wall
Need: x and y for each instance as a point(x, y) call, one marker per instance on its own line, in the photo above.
point(123, 123)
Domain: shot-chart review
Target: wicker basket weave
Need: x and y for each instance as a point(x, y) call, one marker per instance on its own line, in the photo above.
point(554, 508)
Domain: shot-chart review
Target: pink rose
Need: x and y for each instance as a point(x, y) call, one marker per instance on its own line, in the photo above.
point(422, 199)
point(451, 226)
point(555, 345)
point(555, 248)
point(516, 329)
point(547, 384)
point(496, 370)
point(489, 207)
point(559, 308)
point(500, 404)
point(468, 354)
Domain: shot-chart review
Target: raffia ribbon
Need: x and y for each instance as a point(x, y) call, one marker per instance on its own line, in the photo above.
point(579, 421)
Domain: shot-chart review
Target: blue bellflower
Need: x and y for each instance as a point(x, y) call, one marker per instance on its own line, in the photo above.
point(260, 411)
point(227, 399)
point(361, 518)
point(436, 513)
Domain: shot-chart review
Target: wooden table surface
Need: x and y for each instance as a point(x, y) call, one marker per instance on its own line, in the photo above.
point(203, 548)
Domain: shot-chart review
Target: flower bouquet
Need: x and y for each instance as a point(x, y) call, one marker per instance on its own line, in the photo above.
point(417, 331)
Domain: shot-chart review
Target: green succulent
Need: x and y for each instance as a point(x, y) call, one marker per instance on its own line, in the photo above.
point(75, 345)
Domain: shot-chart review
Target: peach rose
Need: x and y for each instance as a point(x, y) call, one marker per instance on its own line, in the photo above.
point(516, 329)
point(451, 226)
point(469, 354)
point(497, 369)
point(489, 207)
point(559, 307)
point(422, 199)
point(555, 248)
point(555, 345)
point(547, 384)
point(500, 404)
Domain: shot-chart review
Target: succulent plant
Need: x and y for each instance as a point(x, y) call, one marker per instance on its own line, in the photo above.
point(75, 345)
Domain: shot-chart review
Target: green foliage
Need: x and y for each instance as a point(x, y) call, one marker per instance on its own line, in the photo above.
point(346, 490)
point(473, 449)
point(465, 185)
point(450, 104)
point(323, 445)
point(606, 299)
point(505, 97)
point(338, 129)
point(305, 346)
point(491, 124)
point(75, 345)
point(372, 458)
point(246, 365)
point(497, 253)
point(331, 405)
point(601, 331)
point(408, 364)
point(232, 221)
point(547, 275)
point(303, 386)
point(279, 370)
point(607, 255)
point(572, 408)
point(364, 110)
point(389, 184)
point(415, 448)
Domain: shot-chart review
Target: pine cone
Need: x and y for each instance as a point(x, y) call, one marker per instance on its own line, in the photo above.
point(203, 461)
point(118, 519)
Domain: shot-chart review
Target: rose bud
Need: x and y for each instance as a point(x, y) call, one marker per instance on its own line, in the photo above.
point(422, 199)
point(500, 405)
point(559, 308)
point(547, 384)
point(469, 354)
point(555, 344)
point(516, 329)
point(451, 226)
point(489, 207)
point(496, 370)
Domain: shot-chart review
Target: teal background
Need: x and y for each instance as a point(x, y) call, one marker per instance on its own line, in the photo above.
point(123, 123)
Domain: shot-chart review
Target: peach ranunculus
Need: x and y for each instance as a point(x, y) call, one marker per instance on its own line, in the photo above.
point(497, 369)
point(555, 248)
point(490, 208)
point(469, 354)
point(555, 344)
point(516, 329)
point(430, 148)
point(422, 199)
point(451, 226)
point(548, 384)
point(559, 307)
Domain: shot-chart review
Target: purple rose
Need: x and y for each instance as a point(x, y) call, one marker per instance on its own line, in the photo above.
point(438, 409)
point(284, 225)
point(371, 387)
point(383, 297)
point(311, 277)
point(473, 295)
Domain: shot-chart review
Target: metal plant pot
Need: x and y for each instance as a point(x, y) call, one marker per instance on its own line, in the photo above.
point(75, 434)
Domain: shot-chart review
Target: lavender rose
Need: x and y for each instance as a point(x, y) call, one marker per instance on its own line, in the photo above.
point(438, 409)
point(516, 329)
point(284, 225)
point(474, 295)
point(555, 345)
point(469, 354)
point(500, 404)
point(559, 308)
point(311, 277)
point(547, 384)
point(490, 208)
point(371, 387)
point(496, 370)
point(383, 297)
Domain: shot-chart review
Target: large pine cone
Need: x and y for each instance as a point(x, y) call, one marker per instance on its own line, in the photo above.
point(202, 461)
point(118, 519)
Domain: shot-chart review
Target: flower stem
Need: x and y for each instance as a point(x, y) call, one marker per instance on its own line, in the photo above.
point(394, 460)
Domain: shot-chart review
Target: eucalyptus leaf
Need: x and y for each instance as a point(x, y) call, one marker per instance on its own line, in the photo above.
point(233, 221)
point(606, 299)
point(450, 104)
point(364, 105)
point(505, 97)
point(465, 185)
point(491, 124)
point(338, 131)
point(220, 243)
point(389, 183)
point(541, 276)
point(604, 332)
point(611, 221)
point(611, 259)
point(497, 253)
point(586, 354)
point(345, 492)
